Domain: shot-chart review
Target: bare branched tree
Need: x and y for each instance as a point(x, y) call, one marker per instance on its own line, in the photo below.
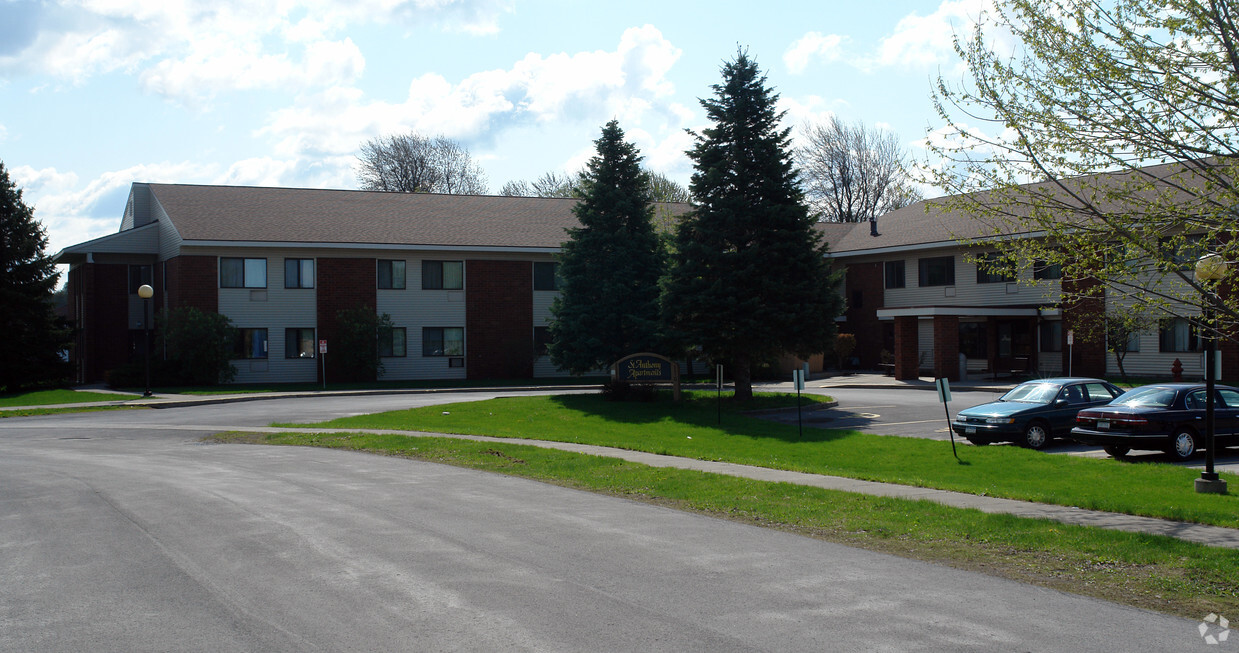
point(558, 184)
point(853, 173)
point(410, 163)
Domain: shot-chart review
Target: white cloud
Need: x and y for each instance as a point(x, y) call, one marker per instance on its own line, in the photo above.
point(926, 41)
point(812, 46)
point(593, 86)
point(190, 49)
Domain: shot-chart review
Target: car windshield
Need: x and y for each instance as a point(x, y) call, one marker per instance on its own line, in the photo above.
point(1032, 393)
point(1151, 396)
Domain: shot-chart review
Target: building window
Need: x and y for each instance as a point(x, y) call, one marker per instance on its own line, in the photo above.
point(937, 271)
point(250, 343)
point(858, 299)
point(545, 276)
point(992, 269)
point(541, 340)
point(1178, 335)
point(1046, 270)
point(443, 341)
point(391, 275)
point(1051, 336)
point(895, 274)
point(139, 275)
point(392, 342)
point(974, 340)
point(243, 273)
point(1182, 251)
point(299, 343)
point(298, 273)
point(443, 275)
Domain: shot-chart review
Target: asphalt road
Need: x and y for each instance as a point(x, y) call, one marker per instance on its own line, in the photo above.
point(120, 531)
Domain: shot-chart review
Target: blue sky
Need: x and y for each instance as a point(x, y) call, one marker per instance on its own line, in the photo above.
point(97, 94)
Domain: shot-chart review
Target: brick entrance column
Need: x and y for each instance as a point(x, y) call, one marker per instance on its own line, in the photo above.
point(946, 347)
point(906, 348)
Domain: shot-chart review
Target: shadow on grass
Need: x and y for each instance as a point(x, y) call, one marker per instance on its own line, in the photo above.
point(702, 409)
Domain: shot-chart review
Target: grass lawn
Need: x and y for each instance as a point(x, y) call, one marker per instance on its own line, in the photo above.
point(51, 397)
point(1153, 572)
point(691, 429)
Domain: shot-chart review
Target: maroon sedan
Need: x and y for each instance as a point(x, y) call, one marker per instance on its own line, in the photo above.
point(1169, 417)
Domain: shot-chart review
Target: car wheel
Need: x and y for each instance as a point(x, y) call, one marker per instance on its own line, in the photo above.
point(1036, 436)
point(1116, 451)
point(1182, 445)
point(978, 441)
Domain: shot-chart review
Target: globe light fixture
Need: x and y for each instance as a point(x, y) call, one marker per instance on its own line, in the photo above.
point(146, 292)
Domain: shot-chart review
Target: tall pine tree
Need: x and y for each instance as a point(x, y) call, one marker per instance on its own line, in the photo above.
point(748, 279)
point(610, 266)
point(34, 335)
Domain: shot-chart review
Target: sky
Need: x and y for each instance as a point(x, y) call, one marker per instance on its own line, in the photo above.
point(98, 94)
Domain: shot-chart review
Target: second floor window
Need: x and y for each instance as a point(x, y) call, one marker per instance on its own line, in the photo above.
point(298, 273)
point(895, 275)
point(991, 269)
point(391, 275)
point(443, 275)
point(937, 271)
point(544, 276)
point(243, 273)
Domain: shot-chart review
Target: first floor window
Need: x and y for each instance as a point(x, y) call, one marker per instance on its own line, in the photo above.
point(1178, 335)
point(1052, 336)
point(242, 273)
point(443, 341)
point(391, 275)
point(937, 271)
point(541, 340)
point(895, 275)
point(545, 276)
point(443, 275)
point(250, 343)
point(299, 343)
point(392, 342)
point(298, 273)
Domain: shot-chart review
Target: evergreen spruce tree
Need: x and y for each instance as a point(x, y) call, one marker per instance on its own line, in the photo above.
point(34, 335)
point(610, 266)
point(748, 278)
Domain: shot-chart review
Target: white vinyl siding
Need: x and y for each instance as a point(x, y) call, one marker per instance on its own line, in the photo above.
point(966, 291)
point(542, 365)
point(413, 308)
point(274, 308)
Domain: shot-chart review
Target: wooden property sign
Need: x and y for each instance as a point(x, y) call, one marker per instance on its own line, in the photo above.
point(647, 368)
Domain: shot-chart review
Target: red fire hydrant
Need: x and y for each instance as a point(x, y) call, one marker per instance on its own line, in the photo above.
point(1177, 370)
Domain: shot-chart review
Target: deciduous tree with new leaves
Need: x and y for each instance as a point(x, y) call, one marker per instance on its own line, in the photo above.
point(1108, 135)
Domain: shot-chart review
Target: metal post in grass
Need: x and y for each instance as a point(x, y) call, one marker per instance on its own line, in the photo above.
point(798, 381)
point(719, 384)
point(944, 395)
point(1209, 269)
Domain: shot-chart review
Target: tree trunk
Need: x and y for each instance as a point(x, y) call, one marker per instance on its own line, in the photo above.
point(742, 374)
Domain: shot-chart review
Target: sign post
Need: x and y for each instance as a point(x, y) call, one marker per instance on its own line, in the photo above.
point(322, 354)
point(944, 395)
point(1071, 338)
point(798, 381)
point(719, 372)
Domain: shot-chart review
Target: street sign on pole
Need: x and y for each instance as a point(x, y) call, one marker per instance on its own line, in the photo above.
point(944, 395)
point(322, 355)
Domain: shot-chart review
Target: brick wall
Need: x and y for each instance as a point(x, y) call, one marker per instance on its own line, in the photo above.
point(864, 282)
point(191, 281)
point(946, 347)
point(499, 319)
point(1089, 354)
point(99, 307)
point(343, 283)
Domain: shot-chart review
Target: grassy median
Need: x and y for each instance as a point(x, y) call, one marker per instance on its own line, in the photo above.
point(692, 429)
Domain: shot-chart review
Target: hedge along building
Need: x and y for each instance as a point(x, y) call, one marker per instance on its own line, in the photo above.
point(916, 288)
point(467, 280)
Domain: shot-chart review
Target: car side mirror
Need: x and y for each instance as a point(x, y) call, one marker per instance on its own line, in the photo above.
point(1060, 402)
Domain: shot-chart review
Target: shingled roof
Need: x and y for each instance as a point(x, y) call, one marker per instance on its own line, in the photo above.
point(299, 215)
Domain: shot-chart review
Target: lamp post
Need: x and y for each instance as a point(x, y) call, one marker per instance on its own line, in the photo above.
point(1209, 269)
point(146, 292)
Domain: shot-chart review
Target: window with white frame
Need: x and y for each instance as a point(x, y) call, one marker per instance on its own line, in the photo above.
point(391, 274)
point(1178, 335)
point(392, 342)
point(250, 343)
point(299, 343)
